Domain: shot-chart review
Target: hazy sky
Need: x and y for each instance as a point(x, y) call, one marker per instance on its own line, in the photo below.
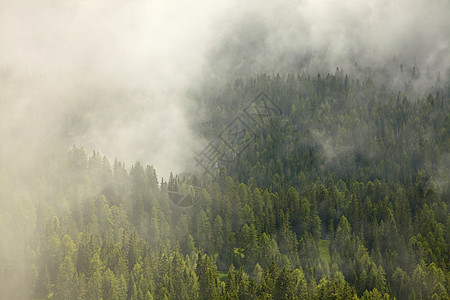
point(112, 75)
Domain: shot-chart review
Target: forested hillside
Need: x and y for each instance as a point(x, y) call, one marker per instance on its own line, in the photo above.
point(343, 195)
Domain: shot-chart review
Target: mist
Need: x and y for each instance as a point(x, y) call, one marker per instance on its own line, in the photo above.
point(108, 76)
point(120, 77)
point(317, 37)
point(114, 75)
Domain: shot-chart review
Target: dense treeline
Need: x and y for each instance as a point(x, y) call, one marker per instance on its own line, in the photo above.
point(342, 196)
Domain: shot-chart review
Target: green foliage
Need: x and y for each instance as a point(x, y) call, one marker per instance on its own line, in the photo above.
point(344, 196)
point(324, 250)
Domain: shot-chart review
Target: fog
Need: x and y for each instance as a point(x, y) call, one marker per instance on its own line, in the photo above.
point(311, 36)
point(118, 76)
point(113, 75)
point(108, 75)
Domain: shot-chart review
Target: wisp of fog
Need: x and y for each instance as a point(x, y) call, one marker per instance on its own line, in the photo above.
point(113, 75)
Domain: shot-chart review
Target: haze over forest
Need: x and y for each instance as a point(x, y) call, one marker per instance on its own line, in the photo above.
point(140, 59)
point(102, 103)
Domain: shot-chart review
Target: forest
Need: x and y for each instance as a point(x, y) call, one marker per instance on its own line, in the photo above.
point(342, 195)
